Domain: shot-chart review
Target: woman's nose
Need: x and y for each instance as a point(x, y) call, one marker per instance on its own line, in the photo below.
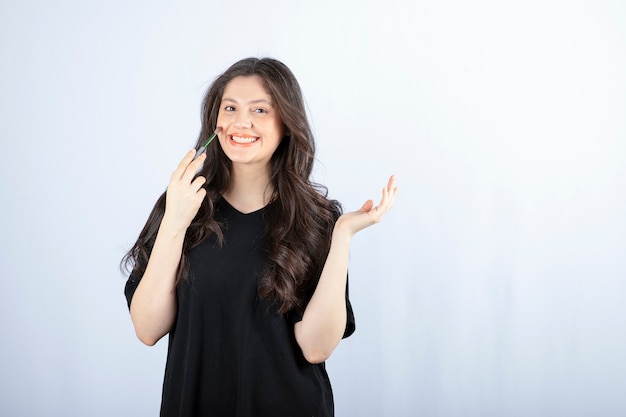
point(243, 121)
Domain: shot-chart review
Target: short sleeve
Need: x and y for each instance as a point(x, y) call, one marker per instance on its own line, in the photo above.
point(130, 287)
point(295, 316)
point(350, 323)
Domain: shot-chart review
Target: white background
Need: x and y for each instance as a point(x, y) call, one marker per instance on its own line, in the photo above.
point(495, 286)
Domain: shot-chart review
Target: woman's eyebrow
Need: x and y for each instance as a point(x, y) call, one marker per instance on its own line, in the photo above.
point(257, 101)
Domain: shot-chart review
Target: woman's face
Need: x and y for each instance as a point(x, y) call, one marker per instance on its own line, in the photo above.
point(251, 128)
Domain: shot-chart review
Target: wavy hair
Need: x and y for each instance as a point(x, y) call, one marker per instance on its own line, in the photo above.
point(300, 220)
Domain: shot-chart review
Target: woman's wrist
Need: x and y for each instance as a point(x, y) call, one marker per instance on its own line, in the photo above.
point(171, 228)
point(341, 234)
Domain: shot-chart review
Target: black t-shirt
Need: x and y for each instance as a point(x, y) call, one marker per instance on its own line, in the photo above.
point(230, 353)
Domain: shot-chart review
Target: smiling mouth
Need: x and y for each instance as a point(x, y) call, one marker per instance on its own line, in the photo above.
point(243, 139)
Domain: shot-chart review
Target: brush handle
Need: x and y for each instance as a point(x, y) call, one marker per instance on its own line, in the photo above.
point(199, 152)
point(206, 144)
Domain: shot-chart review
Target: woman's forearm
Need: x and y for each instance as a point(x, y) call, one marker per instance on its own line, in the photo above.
point(324, 321)
point(153, 306)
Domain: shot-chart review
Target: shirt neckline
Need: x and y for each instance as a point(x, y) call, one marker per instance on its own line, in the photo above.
point(233, 208)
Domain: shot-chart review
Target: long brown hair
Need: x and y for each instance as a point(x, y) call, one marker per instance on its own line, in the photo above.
point(299, 222)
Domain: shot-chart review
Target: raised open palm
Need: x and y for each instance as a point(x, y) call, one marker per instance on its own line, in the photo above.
point(368, 215)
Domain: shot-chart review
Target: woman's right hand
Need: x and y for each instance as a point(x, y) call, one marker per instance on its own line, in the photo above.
point(184, 193)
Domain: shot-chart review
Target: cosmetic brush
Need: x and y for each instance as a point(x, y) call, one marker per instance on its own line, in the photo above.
point(208, 141)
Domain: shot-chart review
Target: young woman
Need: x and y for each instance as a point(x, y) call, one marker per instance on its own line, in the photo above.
point(243, 260)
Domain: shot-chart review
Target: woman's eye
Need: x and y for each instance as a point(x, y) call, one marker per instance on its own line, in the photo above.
point(229, 108)
point(260, 111)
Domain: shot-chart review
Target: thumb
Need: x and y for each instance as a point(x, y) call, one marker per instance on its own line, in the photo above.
point(367, 206)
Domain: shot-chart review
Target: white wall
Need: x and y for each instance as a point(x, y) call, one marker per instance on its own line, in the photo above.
point(496, 285)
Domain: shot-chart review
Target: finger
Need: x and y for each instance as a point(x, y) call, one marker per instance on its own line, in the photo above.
point(391, 195)
point(193, 168)
point(180, 169)
point(367, 206)
point(391, 187)
point(390, 200)
point(385, 196)
point(388, 195)
point(390, 190)
point(201, 193)
point(198, 182)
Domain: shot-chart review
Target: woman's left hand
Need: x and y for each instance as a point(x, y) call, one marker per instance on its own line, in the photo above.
point(367, 215)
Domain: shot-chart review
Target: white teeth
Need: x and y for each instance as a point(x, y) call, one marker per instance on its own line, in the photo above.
point(243, 140)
